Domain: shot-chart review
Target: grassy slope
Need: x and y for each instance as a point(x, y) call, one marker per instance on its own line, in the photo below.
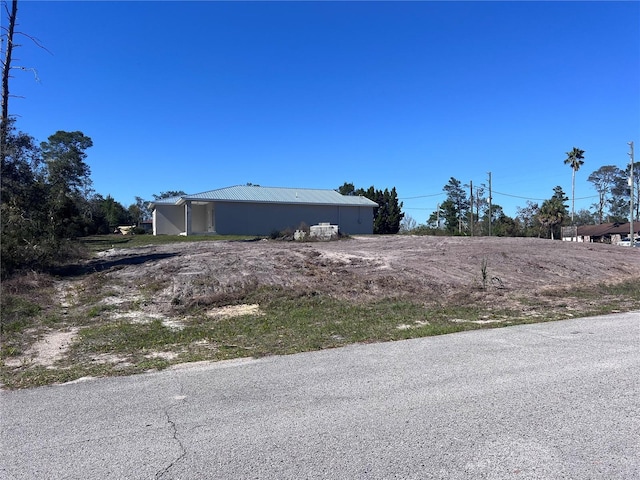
point(110, 343)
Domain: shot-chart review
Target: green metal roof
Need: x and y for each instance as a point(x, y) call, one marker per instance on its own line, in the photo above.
point(257, 194)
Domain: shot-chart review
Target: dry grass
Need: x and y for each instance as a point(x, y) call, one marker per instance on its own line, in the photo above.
point(151, 307)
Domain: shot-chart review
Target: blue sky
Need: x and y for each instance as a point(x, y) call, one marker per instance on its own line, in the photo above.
point(201, 95)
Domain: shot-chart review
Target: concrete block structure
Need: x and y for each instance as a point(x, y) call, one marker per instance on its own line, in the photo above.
point(256, 210)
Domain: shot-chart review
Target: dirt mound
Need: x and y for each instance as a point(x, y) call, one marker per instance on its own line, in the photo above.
point(363, 268)
point(131, 310)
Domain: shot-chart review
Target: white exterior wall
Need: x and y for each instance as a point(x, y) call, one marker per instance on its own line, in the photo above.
point(199, 219)
point(243, 218)
point(168, 220)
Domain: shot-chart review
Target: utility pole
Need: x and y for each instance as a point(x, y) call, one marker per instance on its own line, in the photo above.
point(478, 206)
point(438, 215)
point(490, 205)
point(471, 202)
point(632, 236)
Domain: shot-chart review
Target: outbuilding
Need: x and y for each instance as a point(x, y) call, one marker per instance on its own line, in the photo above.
point(256, 210)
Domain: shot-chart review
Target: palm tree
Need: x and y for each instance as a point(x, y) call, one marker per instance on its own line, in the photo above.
point(574, 160)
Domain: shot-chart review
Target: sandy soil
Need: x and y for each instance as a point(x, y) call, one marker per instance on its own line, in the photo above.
point(506, 272)
point(363, 268)
point(46, 351)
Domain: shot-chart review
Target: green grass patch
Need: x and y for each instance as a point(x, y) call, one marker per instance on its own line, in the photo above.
point(97, 310)
point(16, 313)
point(629, 289)
point(289, 322)
point(41, 376)
point(127, 338)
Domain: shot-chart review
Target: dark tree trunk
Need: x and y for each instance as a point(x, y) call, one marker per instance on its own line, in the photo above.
point(6, 67)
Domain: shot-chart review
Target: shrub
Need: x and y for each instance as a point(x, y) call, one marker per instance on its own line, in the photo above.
point(275, 234)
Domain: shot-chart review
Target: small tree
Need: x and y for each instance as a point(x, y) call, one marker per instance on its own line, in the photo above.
point(408, 224)
point(528, 217)
point(347, 189)
point(456, 207)
point(621, 195)
point(434, 219)
point(450, 215)
point(394, 213)
point(503, 225)
point(114, 213)
point(22, 216)
point(68, 181)
point(584, 217)
point(139, 211)
point(604, 180)
point(387, 215)
point(553, 212)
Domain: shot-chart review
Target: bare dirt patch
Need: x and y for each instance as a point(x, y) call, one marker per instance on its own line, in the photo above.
point(428, 269)
point(231, 311)
point(46, 351)
point(131, 310)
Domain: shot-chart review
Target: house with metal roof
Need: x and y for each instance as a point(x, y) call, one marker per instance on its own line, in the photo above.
point(605, 232)
point(256, 210)
point(601, 233)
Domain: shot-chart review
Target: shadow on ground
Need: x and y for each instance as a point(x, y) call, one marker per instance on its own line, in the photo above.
point(102, 265)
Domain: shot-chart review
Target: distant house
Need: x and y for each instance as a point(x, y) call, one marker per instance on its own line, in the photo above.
point(146, 225)
point(603, 233)
point(255, 210)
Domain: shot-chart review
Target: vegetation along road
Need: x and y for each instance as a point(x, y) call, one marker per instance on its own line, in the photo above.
point(148, 306)
point(545, 401)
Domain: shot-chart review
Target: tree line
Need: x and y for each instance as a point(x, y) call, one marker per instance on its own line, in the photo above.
point(47, 199)
point(387, 216)
point(459, 214)
point(467, 213)
point(46, 192)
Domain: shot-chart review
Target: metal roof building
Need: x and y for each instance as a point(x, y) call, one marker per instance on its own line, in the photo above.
point(606, 232)
point(256, 210)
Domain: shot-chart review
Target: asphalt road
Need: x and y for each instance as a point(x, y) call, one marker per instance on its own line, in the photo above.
point(546, 401)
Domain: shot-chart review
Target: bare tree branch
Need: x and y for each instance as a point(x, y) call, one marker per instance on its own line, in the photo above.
point(28, 69)
point(35, 40)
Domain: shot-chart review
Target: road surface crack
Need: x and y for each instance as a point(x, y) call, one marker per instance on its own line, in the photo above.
point(176, 437)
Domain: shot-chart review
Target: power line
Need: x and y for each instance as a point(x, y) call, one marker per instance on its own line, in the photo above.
point(422, 196)
point(540, 199)
point(493, 191)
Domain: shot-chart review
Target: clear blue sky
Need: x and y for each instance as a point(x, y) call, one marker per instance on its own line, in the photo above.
point(195, 96)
